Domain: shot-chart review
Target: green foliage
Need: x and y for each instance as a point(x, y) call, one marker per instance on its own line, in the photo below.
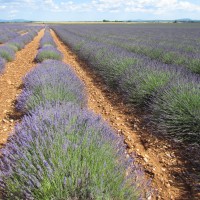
point(142, 84)
point(112, 67)
point(69, 154)
point(48, 54)
point(194, 65)
point(176, 110)
point(85, 167)
point(6, 55)
point(78, 46)
point(13, 46)
point(168, 57)
point(49, 92)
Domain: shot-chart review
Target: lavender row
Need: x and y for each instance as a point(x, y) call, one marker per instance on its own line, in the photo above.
point(51, 81)
point(47, 39)
point(145, 84)
point(19, 42)
point(10, 31)
point(170, 45)
point(8, 50)
point(181, 37)
point(48, 48)
point(63, 151)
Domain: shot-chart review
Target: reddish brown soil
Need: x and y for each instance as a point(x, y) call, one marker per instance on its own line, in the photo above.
point(159, 158)
point(11, 85)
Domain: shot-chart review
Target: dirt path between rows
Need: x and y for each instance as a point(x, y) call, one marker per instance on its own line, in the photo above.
point(11, 86)
point(158, 158)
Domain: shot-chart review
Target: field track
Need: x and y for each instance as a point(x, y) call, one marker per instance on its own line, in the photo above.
point(160, 159)
point(11, 83)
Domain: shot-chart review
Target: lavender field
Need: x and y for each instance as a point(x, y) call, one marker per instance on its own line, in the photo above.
point(61, 149)
point(155, 67)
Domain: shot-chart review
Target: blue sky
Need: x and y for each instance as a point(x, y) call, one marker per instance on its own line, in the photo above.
point(91, 10)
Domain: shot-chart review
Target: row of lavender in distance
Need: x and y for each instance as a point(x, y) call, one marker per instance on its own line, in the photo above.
point(8, 50)
point(10, 31)
point(48, 48)
point(19, 42)
point(144, 82)
point(170, 44)
point(47, 39)
point(61, 150)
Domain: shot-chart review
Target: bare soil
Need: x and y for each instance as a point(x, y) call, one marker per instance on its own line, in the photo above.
point(161, 159)
point(11, 86)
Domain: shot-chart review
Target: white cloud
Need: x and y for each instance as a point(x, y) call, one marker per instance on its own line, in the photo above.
point(189, 6)
point(147, 6)
point(71, 6)
point(150, 7)
point(2, 7)
point(164, 6)
point(13, 11)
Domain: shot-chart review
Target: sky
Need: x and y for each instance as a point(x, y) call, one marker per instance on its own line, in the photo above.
point(98, 10)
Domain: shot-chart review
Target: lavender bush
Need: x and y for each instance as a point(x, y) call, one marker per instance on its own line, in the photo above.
point(51, 81)
point(7, 53)
point(140, 84)
point(63, 152)
point(176, 110)
point(48, 52)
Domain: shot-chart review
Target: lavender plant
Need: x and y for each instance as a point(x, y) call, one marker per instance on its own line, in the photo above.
point(141, 84)
point(7, 53)
point(107, 64)
point(51, 81)
point(176, 110)
point(48, 52)
point(194, 64)
point(63, 152)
